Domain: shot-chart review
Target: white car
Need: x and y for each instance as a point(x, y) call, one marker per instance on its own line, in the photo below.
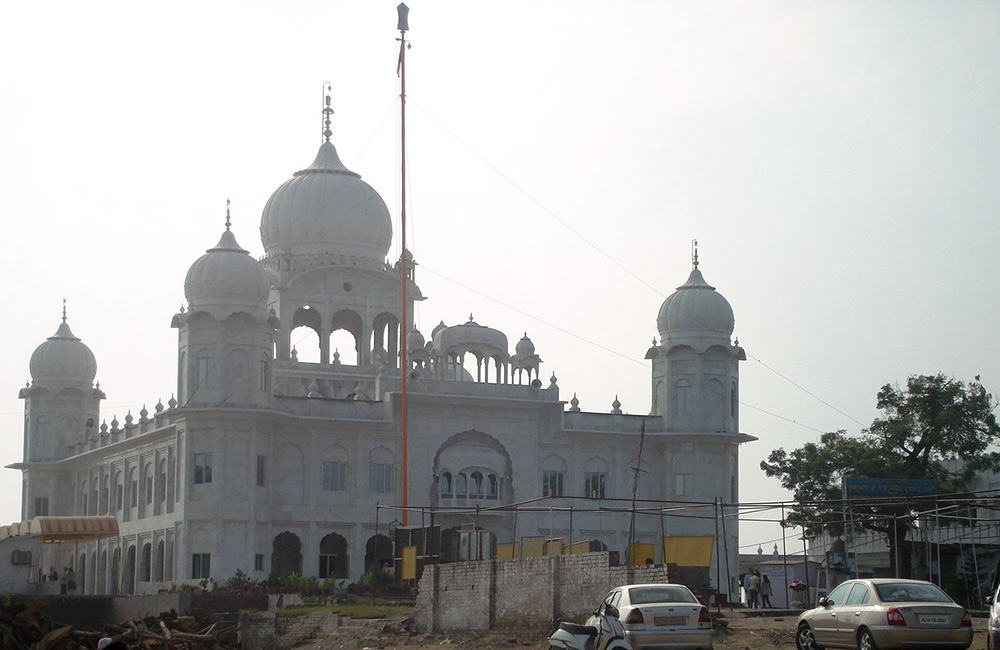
point(658, 616)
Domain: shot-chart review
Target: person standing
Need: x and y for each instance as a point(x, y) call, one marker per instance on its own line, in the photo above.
point(754, 590)
point(70, 581)
point(765, 592)
point(746, 585)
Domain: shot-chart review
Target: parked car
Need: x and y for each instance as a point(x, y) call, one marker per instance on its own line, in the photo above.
point(658, 615)
point(993, 627)
point(885, 613)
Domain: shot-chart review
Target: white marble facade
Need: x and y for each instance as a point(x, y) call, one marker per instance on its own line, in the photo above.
point(265, 463)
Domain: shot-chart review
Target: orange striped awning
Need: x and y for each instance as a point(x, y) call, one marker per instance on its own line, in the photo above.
point(72, 529)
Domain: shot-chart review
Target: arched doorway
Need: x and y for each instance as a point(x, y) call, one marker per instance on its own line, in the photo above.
point(147, 560)
point(128, 583)
point(158, 566)
point(378, 552)
point(286, 554)
point(102, 575)
point(81, 574)
point(333, 559)
point(116, 572)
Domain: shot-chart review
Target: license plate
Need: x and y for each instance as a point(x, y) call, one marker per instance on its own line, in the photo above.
point(669, 620)
point(926, 619)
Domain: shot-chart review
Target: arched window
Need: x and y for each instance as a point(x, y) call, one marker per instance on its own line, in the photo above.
point(683, 398)
point(554, 477)
point(203, 372)
point(461, 486)
point(492, 487)
point(119, 492)
point(161, 481)
point(476, 485)
point(147, 472)
point(595, 479)
point(133, 486)
point(105, 494)
point(447, 489)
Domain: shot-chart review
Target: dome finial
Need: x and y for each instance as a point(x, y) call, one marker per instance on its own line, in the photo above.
point(228, 222)
point(694, 253)
point(64, 310)
point(327, 112)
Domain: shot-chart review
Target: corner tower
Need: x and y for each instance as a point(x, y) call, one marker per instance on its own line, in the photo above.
point(696, 365)
point(226, 337)
point(61, 409)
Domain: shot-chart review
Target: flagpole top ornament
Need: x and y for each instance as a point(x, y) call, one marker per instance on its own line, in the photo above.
point(403, 24)
point(327, 112)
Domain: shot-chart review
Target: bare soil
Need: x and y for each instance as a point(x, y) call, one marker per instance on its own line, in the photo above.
point(734, 631)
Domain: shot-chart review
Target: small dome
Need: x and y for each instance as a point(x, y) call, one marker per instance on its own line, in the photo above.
point(327, 209)
point(524, 347)
point(414, 340)
point(695, 309)
point(63, 358)
point(226, 274)
point(470, 336)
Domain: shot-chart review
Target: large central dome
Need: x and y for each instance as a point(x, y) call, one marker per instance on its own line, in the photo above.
point(326, 209)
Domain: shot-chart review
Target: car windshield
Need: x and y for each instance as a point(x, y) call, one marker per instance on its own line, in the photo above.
point(660, 594)
point(900, 592)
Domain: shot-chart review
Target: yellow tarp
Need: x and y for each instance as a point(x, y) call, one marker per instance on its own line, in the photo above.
point(639, 552)
point(688, 550)
point(554, 546)
point(579, 547)
point(532, 546)
point(409, 563)
point(507, 551)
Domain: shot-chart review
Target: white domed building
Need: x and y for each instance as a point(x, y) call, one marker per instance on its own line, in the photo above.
point(268, 464)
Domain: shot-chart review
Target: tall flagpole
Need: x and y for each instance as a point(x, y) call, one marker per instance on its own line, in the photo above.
point(403, 26)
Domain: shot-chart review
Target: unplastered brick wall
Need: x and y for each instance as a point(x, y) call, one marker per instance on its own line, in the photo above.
point(272, 632)
point(521, 593)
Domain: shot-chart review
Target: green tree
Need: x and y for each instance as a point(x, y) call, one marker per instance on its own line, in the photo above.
point(922, 430)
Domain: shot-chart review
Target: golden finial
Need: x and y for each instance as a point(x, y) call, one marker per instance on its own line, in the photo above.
point(694, 253)
point(228, 222)
point(327, 112)
point(64, 310)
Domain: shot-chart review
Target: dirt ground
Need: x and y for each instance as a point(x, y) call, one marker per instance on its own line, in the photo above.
point(733, 632)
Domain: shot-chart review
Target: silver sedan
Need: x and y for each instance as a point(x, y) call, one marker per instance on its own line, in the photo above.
point(885, 613)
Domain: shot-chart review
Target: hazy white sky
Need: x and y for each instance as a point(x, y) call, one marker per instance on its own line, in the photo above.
point(838, 162)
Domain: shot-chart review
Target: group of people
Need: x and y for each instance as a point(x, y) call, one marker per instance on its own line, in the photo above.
point(68, 584)
point(757, 589)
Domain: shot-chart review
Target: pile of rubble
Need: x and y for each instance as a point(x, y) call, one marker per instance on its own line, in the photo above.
point(26, 625)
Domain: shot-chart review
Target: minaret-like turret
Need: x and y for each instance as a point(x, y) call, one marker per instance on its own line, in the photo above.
point(696, 364)
point(61, 410)
point(226, 336)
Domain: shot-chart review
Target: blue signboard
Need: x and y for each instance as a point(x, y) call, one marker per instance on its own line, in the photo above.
point(877, 488)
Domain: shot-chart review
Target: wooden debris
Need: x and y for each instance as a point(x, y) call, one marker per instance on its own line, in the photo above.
point(25, 625)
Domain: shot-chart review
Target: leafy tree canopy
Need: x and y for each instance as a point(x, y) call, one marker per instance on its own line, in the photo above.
point(936, 428)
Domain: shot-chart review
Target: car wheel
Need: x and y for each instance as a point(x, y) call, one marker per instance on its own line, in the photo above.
point(804, 639)
point(866, 641)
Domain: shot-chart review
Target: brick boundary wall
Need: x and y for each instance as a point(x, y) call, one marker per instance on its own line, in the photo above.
point(521, 593)
point(272, 632)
